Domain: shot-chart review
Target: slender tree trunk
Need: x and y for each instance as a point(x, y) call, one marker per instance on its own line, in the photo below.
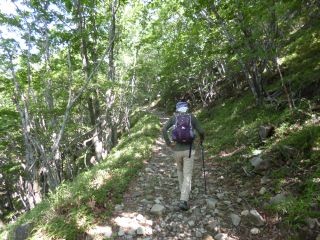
point(92, 101)
point(112, 32)
point(110, 95)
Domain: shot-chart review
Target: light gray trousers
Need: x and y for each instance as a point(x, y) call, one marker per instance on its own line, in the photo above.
point(184, 170)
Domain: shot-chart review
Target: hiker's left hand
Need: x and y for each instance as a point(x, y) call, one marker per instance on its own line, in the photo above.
point(172, 145)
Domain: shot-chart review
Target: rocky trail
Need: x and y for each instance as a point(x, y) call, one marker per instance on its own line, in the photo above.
point(149, 209)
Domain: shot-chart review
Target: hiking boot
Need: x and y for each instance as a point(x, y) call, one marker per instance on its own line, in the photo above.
point(183, 205)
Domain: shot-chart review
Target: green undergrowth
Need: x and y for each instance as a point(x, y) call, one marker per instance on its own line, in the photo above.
point(232, 137)
point(234, 123)
point(75, 206)
point(298, 173)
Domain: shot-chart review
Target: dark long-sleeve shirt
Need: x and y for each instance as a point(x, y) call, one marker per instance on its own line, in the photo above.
point(180, 146)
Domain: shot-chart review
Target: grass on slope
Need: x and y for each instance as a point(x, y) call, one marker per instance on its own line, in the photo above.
point(294, 149)
point(68, 212)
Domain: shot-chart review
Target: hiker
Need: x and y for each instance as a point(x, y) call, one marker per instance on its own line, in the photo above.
point(183, 149)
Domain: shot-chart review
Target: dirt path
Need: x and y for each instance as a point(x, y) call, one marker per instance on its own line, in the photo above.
point(149, 210)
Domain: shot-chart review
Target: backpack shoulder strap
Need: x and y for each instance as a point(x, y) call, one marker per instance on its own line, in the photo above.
point(190, 120)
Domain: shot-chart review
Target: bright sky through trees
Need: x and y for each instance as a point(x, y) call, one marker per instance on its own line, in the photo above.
point(6, 7)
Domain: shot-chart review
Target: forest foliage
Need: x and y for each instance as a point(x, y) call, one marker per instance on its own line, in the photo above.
point(72, 72)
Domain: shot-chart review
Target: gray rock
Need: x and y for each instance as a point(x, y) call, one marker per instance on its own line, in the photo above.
point(149, 170)
point(140, 231)
point(207, 237)
point(256, 152)
point(262, 191)
point(244, 193)
point(218, 212)
point(131, 232)
point(264, 180)
point(255, 231)
point(220, 195)
point(196, 214)
point(198, 234)
point(119, 207)
point(245, 213)
point(312, 222)
point(191, 223)
point(213, 225)
point(22, 232)
point(256, 218)
point(256, 161)
point(259, 163)
point(318, 237)
point(235, 219)
point(221, 236)
point(279, 198)
point(149, 197)
point(95, 231)
point(121, 232)
point(211, 203)
point(157, 209)
point(266, 132)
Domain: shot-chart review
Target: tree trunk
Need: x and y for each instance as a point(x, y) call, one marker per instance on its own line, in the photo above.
point(92, 101)
point(110, 95)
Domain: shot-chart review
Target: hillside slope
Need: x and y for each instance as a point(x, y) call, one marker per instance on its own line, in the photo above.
point(76, 206)
point(279, 173)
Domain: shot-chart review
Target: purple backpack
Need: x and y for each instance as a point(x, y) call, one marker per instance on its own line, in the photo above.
point(182, 131)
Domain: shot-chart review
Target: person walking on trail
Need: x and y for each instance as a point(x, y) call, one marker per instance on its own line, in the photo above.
point(181, 142)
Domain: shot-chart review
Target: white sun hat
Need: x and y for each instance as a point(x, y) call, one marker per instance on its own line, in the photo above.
point(182, 107)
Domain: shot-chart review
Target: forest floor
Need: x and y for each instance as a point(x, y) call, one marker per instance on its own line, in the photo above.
point(149, 209)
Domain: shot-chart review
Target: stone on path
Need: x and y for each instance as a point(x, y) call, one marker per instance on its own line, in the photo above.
point(118, 207)
point(140, 231)
point(211, 203)
point(256, 218)
point(221, 236)
point(213, 225)
point(220, 195)
point(105, 231)
point(121, 232)
point(255, 231)
point(157, 209)
point(245, 213)
point(207, 237)
point(191, 223)
point(244, 193)
point(235, 219)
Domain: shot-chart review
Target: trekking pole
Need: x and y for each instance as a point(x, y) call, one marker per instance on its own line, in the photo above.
point(203, 168)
